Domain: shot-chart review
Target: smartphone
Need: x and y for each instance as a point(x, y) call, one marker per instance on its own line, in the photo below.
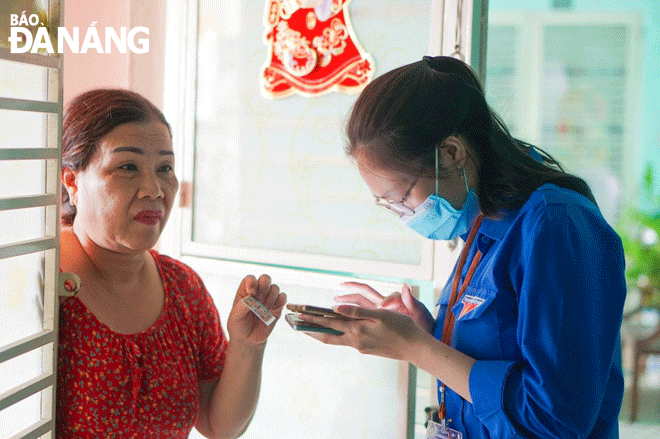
point(299, 325)
point(314, 310)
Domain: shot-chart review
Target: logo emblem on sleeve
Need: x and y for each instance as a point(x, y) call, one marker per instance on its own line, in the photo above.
point(470, 303)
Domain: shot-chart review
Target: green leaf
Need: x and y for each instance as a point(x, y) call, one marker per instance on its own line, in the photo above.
point(648, 179)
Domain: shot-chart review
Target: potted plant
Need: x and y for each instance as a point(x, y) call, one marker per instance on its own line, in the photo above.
point(640, 233)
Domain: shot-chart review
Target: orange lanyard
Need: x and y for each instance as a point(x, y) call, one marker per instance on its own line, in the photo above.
point(456, 294)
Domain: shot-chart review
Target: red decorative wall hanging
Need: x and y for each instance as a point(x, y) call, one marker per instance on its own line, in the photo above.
point(312, 49)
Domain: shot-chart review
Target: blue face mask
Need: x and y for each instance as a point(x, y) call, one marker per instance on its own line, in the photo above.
point(437, 219)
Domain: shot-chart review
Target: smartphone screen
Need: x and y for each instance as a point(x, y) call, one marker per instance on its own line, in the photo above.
point(299, 325)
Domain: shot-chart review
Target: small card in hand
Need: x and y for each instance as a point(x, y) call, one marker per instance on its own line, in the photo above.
point(259, 310)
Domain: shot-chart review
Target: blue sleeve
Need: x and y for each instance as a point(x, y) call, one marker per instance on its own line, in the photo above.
point(570, 285)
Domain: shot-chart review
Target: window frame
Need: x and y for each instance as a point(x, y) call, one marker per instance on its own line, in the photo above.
point(45, 383)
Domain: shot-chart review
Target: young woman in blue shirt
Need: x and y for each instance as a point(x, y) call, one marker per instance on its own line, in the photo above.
point(526, 341)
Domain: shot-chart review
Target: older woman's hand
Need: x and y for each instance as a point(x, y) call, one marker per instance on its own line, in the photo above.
point(371, 331)
point(402, 302)
point(242, 324)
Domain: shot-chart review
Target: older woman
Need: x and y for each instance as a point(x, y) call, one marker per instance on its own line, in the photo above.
point(142, 352)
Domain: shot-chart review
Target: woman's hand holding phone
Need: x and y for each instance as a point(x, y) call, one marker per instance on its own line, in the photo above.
point(371, 331)
point(388, 326)
point(402, 302)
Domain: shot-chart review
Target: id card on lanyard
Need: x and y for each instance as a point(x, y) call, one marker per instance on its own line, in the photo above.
point(441, 431)
point(435, 431)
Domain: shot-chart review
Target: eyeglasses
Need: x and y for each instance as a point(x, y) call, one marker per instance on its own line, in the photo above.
point(397, 208)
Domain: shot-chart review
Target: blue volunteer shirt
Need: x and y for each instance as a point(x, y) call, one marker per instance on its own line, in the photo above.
point(541, 316)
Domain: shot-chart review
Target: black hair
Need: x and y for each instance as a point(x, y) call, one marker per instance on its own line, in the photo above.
point(401, 117)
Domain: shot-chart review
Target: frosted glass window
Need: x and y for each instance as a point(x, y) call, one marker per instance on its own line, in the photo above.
point(20, 416)
point(21, 301)
point(272, 174)
point(32, 136)
point(31, 225)
point(15, 170)
point(13, 84)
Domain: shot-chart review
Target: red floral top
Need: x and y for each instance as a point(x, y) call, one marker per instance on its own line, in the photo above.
point(142, 385)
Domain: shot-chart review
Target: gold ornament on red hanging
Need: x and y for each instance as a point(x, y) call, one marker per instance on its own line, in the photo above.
point(312, 49)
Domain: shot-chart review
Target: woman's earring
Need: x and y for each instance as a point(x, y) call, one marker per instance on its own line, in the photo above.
point(461, 172)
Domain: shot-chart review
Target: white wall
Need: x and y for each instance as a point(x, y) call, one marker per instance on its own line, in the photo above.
point(139, 72)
